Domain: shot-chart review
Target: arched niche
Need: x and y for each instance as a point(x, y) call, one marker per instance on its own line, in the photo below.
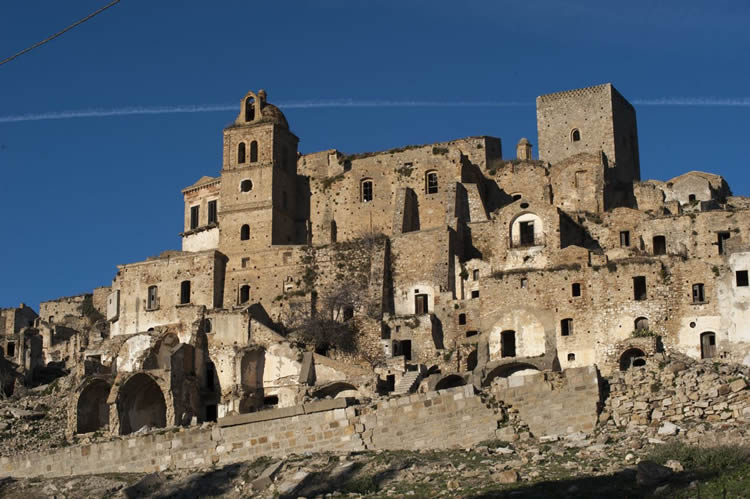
point(140, 402)
point(526, 230)
point(92, 410)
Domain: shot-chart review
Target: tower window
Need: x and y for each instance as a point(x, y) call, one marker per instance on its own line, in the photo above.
point(699, 295)
point(639, 288)
point(246, 185)
point(366, 190)
point(624, 238)
point(245, 232)
point(244, 294)
point(152, 299)
point(241, 153)
point(741, 276)
point(571, 357)
point(184, 292)
point(431, 182)
point(194, 212)
point(722, 237)
point(575, 135)
point(212, 212)
point(576, 289)
point(254, 151)
point(249, 109)
point(566, 327)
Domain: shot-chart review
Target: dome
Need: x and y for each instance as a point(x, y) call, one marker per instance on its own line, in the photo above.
point(523, 140)
point(272, 114)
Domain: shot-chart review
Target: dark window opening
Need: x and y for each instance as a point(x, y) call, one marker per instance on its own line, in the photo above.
point(245, 232)
point(249, 109)
point(708, 345)
point(624, 238)
point(472, 360)
point(254, 151)
point(741, 276)
point(639, 288)
point(212, 412)
point(660, 245)
point(524, 282)
point(576, 289)
point(641, 324)
point(420, 304)
point(527, 233)
point(471, 333)
point(461, 319)
point(432, 182)
point(245, 294)
point(241, 153)
point(571, 357)
point(516, 197)
point(11, 348)
point(475, 294)
point(575, 135)
point(475, 275)
point(334, 231)
point(722, 236)
point(390, 382)
point(194, 212)
point(210, 375)
point(366, 193)
point(698, 293)
point(184, 292)
point(566, 327)
point(212, 212)
point(508, 344)
point(348, 312)
point(246, 185)
point(207, 326)
point(152, 301)
point(691, 198)
point(271, 401)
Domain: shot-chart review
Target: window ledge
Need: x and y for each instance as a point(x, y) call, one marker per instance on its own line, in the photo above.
point(199, 229)
point(152, 309)
point(182, 305)
point(700, 302)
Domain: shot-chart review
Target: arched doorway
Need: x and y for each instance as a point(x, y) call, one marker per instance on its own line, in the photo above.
point(141, 403)
point(450, 381)
point(633, 357)
point(92, 411)
point(708, 345)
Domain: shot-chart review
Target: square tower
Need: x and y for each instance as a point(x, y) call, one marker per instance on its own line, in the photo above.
point(588, 120)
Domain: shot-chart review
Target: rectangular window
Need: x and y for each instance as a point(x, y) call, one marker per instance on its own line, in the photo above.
point(475, 294)
point(152, 301)
point(194, 212)
point(212, 214)
point(576, 289)
point(660, 245)
point(624, 238)
point(245, 262)
point(566, 327)
point(722, 237)
point(639, 288)
point(698, 293)
point(524, 282)
point(475, 275)
point(741, 276)
point(420, 304)
point(366, 191)
point(527, 233)
point(184, 292)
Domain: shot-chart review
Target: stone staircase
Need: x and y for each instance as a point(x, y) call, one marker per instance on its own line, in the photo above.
point(407, 383)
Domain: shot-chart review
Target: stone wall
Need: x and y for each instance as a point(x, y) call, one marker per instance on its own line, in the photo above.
point(553, 403)
point(55, 310)
point(447, 418)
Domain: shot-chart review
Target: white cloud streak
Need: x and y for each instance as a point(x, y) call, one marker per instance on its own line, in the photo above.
point(348, 103)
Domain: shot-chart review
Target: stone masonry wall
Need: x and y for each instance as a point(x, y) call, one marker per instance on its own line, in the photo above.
point(447, 418)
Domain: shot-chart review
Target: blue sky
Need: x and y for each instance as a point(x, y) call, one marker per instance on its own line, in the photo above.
point(81, 195)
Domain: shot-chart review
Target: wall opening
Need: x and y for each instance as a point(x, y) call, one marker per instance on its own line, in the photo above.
point(246, 185)
point(212, 212)
point(527, 233)
point(721, 239)
point(365, 191)
point(566, 327)
point(334, 231)
point(184, 292)
point(575, 289)
point(141, 403)
point(741, 277)
point(420, 304)
point(241, 153)
point(450, 381)
point(691, 198)
point(508, 344)
point(212, 412)
point(152, 299)
point(634, 357)
point(660, 245)
point(249, 109)
point(472, 361)
point(11, 349)
point(210, 376)
point(699, 295)
point(639, 288)
point(406, 349)
point(641, 324)
point(254, 151)
point(571, 357)
point(471, 333)
point(708, 345)
point(475, 275)
point(575, 135)
point(244, 232)
point(194, 213)
point(461, 319)
point(475, 294)
point(431, 182)
point(271, 401)
point(92, 412)
point(244, 293)
point(624, 238)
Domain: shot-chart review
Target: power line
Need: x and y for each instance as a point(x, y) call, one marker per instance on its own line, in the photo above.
point(48, 39)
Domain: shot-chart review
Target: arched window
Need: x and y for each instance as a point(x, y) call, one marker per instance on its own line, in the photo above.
point(575, 135)
point(241, 153)
point(365, 191)
point(184, 292)
point(246, 185)
point(431, 182)
point(254, 151)
point(641, 324)
point(526, 230)
point(249, 109)
point(245, 233)
point(244, 294)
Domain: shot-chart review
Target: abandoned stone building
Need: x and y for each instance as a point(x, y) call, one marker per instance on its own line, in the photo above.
point(306, 276)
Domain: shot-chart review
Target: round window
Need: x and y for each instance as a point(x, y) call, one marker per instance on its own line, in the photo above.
point(246, 185)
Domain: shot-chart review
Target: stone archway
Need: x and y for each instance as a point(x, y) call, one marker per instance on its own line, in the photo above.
point(507, 370)
point(450, 381)
point(140, 402)
point(337, 390)
point(92, 409)
point(632, 357)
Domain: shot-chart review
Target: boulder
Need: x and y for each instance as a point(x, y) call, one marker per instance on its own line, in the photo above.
point(649, 474)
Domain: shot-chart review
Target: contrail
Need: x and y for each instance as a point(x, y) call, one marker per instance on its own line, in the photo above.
point(130, 111)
